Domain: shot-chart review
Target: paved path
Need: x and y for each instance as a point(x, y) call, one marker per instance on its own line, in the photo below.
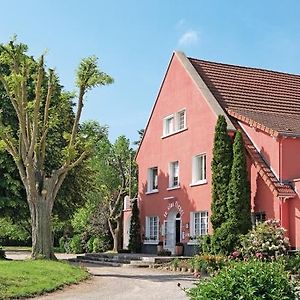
point(119, 283)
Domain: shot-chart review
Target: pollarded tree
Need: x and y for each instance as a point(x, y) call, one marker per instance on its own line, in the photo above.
point(239, 206)
point(221, 167)
point(135, 229)
point(23, 80)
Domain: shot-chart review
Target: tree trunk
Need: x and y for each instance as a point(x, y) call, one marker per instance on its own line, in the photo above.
point(42, 241)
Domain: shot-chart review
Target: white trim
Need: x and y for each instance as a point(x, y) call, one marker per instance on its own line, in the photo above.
point(173, 133)
point(151, 180)
point(172, 116)
point(203, 88)
point(199, 169)
point(152, 192)
point(200, 182)
point(259, 151)
point(169, 198)
point(152, 242)
point(171, 174)
point(173, 188)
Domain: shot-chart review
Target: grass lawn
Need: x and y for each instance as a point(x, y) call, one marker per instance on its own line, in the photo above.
point(32, 277)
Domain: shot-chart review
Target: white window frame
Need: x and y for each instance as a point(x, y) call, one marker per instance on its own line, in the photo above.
point(175, 128)
point(151, 181)
point(200, 229)
point(199, 169)
point(151, 235)
point(172, 174)
point(177, 120)
point(167, 130)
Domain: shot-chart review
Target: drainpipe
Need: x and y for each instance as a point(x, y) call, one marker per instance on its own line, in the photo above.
point(280, 160)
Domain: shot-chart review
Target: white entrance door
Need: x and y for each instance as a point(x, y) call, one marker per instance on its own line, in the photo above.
point(170, 231)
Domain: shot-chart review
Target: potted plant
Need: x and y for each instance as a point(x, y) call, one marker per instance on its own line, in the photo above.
point(179, 249)
point(160, 247)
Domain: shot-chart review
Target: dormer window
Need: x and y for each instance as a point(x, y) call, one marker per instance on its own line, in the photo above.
point(174, 123)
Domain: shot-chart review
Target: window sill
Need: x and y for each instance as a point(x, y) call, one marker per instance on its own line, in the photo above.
point(173, 188)
point(192, 243)
point(199, 183)
point(173, 133)
point(151, 242)
point(152, 192)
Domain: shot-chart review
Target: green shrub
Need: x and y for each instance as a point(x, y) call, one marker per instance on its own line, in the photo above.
point(97, 245)
point(208, 263)
point(252, 280)
point(266, 241)
point(205, 245)
point(76, 245)
point(225, 238)
point(89, 244)
point(292, 263)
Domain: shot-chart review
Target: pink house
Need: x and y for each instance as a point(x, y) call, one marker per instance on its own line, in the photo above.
point(175, 154)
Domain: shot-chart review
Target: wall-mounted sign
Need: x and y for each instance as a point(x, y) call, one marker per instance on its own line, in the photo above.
point(172, 205)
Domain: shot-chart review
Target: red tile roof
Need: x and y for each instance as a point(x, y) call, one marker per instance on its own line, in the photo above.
point(265, 98)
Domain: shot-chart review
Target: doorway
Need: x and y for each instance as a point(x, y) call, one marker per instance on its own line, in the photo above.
point(172, 230)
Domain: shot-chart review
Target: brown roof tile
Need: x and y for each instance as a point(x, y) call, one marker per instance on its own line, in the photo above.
point(266, 98)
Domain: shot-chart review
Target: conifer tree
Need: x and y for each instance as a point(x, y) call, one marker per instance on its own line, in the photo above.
point(239, 207)
point(135, 234)
point(221, 167)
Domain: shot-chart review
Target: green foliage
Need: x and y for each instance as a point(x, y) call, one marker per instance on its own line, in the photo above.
point(134, 233)
point(221, 168)
point(10, 232)
point(89, 75)
point(225, 238)
point(76, 244)
point(292, 263)
point(99, 245)
point(253, 280)
point(45, 276)
point(208, 263)
point(266, 241)
point(90, 244)
point(205, 245)
point(239, 206)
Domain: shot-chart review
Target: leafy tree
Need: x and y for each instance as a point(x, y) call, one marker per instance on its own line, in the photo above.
point(239, 206)
point(23, 80)
point(134, 232)
point(141, 133)
point(221, 167)
point(118, 176)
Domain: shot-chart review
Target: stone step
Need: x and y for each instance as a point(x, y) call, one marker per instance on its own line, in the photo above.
point(99, 262)
point(102, 259)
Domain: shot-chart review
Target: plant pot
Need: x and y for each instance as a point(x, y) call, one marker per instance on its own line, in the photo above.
point(178, 250)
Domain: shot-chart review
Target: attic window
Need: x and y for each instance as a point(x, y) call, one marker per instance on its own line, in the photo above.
point(174, 123)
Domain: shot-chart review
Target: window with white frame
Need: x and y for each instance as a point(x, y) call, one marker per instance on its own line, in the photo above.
point(174, 123)
point(180, 120)
point(152, 185)
point(199, 169)
point(174, 174)
point(152, 229)
point(169, 125)
point(199, 224)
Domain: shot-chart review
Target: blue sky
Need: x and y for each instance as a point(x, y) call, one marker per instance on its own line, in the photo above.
point(135, 39)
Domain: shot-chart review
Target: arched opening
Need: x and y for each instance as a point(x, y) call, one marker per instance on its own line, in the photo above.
point(172, 230)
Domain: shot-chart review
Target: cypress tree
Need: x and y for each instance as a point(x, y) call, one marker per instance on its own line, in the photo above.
point(221, 167)
point(239, 206)
point(134, 233)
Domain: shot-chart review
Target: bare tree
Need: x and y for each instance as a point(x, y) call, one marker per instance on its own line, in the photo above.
point(31, 101)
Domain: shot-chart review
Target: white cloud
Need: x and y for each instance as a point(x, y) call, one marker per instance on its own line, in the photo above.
point(190, 37)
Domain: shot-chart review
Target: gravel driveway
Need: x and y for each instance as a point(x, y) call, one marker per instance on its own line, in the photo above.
point(119, 283)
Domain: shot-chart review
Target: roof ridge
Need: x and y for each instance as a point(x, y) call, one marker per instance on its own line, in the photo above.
point(245, 67)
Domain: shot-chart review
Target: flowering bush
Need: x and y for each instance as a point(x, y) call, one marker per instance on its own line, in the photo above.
point(255, 280)
point(266, 241)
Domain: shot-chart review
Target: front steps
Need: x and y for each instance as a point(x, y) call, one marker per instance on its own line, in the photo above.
point(129, 260)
